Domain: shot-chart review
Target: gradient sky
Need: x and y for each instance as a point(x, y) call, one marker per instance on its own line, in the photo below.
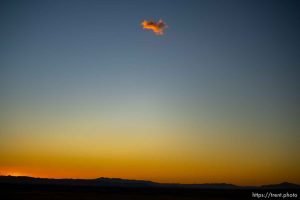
point(85, 92)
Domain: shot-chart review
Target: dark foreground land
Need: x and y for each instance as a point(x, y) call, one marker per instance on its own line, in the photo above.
point(60, 192)
point(110, 189)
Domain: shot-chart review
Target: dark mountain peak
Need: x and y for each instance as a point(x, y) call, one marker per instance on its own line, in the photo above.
point(119, 179)
point(282, 185)
point(211, 185)
point(124, 182)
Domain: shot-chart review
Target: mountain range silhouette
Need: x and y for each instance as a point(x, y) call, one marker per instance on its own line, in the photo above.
point(118, 182)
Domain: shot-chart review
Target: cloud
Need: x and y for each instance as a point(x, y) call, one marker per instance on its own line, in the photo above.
point(157, 28)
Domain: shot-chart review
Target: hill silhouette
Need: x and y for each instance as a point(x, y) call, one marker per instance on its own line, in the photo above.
point(118, 182)
point(282, 185)
point(23, 187)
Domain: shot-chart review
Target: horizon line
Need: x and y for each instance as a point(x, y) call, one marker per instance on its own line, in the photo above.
point(156, 182)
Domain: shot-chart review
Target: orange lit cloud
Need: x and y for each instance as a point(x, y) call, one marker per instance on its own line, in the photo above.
point(157, 28)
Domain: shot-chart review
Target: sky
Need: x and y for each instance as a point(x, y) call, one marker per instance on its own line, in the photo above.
point(86, 92)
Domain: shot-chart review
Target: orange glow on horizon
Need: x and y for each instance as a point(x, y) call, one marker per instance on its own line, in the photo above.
point(149, 148)
point(163, 174)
